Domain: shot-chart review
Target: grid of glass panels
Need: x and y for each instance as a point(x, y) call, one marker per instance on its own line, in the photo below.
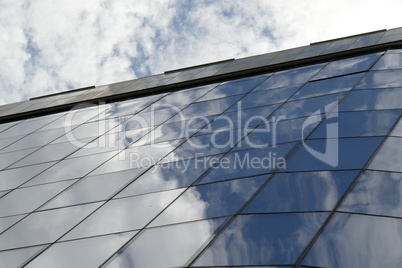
point(298, 167)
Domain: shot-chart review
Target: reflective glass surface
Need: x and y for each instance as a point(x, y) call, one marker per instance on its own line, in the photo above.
point(389, 61)
point(351, 65)
point(17, 257)
point(123, 214)
point(389, 157)
point(327, 86)
point(263, 239)
point(381, 79)
point(332, 154)
point(377, 193)
point(90, 252)
point(81, 192)
point(171, 246)
point(379, 99)
point(355, 124)
point(44, 227)
point(245, 163)
point(170, 175)
point(25, 200)
point(307, 191)
point(266, 97)
point(148, 179)
point(210, 200)
point(358, 241)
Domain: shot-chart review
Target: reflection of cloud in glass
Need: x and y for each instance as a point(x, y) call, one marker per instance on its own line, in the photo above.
point(169, 246)
point(263, 239)
point(358, 241)
point(376, 193)
point(389, 157)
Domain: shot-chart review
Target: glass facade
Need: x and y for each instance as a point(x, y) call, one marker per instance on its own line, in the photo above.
point(292, 168)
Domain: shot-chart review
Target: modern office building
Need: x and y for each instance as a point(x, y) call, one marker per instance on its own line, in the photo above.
point(290, 159)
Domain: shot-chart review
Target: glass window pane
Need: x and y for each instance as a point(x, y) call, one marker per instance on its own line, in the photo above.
point(379, 99)
point(124, 214)
point(25, 200)
point(84, 190)
point(171, 175)
point(205, 108)
point(354, 124)
point(330, 154)
point(232, 88)
point(169, 246)
point(6, 222)
point(389, 61)
point(291, 77)
point(307, 191)
point(381, 79)
point(246, 163)
point(91, 252)
point(389, 157)
point(277, 132)
point(358, 241)
point(210, 201)
point(35, 139)
point(397, 130)
point(263, 239)
point(12, 178)
point(327, 86)
point(247, 118)
point(307, 107)
point(48, 153)
point(44, 227)
point(7, 159)
point(71, 168)
point(265, 97)
point(17, 257)
point(350, 65)
point(377, 193)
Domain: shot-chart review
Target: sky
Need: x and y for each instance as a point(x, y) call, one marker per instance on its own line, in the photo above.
point(49, 46)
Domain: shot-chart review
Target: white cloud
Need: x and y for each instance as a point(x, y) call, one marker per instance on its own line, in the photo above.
point(48, 46)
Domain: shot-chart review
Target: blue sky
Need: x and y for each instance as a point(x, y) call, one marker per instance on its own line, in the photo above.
point(50, 46)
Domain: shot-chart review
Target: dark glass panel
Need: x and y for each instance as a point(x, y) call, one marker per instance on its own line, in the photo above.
point(277, 132)
point(247, 118)
point(235, 87)
point(332, 154)
point(265, 97)
point(361, 100)
point(355, 124)
point(308, 107)
point(246, 163)
point(169, 175)
point(306, 191)
point(327, 86)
